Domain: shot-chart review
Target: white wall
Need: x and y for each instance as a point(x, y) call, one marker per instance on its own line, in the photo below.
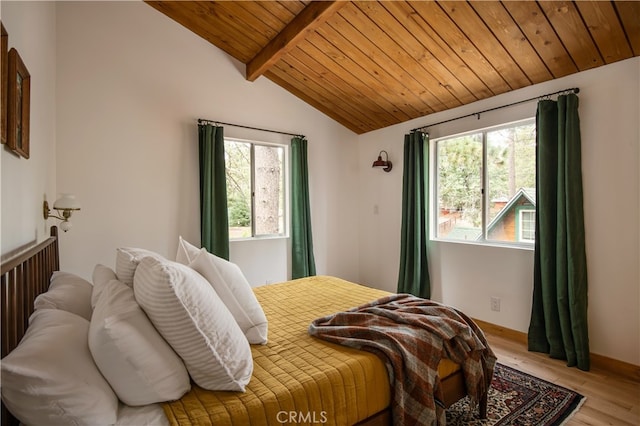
point(467, 275)
point(131, 84)
point(27, 182)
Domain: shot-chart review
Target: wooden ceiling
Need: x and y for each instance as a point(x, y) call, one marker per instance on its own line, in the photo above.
point(372, 64)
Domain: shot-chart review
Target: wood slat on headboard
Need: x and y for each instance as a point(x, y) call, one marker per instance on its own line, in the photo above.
point(22, 279)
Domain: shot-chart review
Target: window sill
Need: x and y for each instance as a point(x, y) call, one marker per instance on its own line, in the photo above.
point(517, 246)
point(265, 238)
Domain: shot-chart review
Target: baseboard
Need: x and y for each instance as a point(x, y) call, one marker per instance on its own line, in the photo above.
point(498, 330)
point(626, 369)
point(602, 362)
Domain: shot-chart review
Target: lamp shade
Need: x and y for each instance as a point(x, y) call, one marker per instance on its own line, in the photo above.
point(379, 162)
point(66, 202)
point(385, 164)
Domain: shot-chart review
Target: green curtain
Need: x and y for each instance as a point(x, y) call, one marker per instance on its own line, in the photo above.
point(302, 261)
point(214, 220)
point(414, 269)
point(559, 312)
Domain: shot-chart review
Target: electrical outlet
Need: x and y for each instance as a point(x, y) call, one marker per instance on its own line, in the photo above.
point(495, 304)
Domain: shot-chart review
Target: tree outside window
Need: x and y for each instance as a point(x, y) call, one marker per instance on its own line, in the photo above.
point(256, 190)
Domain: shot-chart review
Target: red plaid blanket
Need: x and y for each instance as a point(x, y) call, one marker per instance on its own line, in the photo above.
point(411, 335)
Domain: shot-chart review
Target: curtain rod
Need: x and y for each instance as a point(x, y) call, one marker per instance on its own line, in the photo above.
point(477, 114)
point(205, 121)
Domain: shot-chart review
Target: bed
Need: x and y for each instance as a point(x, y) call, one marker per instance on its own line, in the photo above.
point(294, 374)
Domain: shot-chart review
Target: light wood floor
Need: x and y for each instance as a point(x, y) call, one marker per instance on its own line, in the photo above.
point(611, 399)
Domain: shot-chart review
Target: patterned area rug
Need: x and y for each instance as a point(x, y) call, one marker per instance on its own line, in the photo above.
point(517, 398)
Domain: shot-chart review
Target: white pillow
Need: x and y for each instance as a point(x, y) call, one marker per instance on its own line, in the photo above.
point(127, 259)
point(51, 379)
point(188, 313)
point(137, 362)
point(67, 292)
point(101, 275)
point(227, 280)
point(186, 251)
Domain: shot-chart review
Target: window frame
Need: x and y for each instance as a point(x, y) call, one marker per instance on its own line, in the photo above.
point(433, 206)
point(285, 186)
point(519, 221)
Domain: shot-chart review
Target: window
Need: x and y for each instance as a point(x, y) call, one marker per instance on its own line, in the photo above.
point(256, 189)
point(484, 185)
point(527, 225)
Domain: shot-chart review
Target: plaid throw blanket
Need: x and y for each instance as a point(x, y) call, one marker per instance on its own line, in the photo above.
point(411, 335)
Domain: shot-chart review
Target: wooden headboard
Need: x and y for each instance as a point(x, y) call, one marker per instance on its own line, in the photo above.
point(23, 278)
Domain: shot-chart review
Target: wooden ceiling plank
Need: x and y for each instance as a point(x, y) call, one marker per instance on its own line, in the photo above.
point(264, 18)
point(508, 32)
point(351, 71)
point(364, 109)
point(458, 42)
point(403, 31)
point(323, 105)
point(361, 72)
point(229, 16)
point(295, 7)
point(485, 42)
point(197, 17)
point(606, 30)
point(336, 52)
point(421, 93)
point(314, 15)
point(357, 30)
point(383, 30)
point(629, 13)
point(535, 26)
point(568, 24)
point(332, 82)
point(277, 8)
point(439, 50)
point(213, 14)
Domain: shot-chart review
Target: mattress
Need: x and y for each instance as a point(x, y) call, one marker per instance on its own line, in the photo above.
point(298, 378)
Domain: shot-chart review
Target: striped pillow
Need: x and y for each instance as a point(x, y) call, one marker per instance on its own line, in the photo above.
point(127, 260)
point(195, 322)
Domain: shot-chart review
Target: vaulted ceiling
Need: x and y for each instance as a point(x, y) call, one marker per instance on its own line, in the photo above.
point(372, 64)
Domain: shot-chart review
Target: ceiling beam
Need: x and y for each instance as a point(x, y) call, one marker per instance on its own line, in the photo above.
point(312, 16)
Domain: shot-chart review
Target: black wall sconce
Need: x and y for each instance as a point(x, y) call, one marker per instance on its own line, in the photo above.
point(386, 164)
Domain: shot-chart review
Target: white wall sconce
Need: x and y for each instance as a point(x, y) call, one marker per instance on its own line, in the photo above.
point(385, 164)
point(65, 206)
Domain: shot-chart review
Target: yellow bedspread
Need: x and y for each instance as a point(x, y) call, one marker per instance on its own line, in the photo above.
point(297, 379)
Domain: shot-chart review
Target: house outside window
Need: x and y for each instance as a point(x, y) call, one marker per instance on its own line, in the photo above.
point(256, 189)
point(484, 185)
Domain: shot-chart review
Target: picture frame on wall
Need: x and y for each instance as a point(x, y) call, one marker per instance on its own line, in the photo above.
point(4, 64)
point(18, 105)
